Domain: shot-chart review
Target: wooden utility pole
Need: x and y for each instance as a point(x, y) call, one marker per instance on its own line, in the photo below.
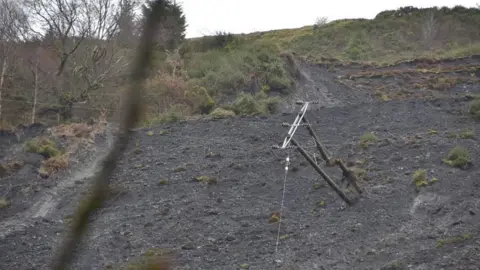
point(348, 175)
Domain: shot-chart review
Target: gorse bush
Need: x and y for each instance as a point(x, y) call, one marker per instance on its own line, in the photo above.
point(239, 69)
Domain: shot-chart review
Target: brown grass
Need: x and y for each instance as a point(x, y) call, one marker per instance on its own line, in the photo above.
point(10, 167)
point(78, 134)
point(54, 165)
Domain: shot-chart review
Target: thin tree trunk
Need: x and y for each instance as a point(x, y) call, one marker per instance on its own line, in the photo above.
point(2, 77)
point(35, 91)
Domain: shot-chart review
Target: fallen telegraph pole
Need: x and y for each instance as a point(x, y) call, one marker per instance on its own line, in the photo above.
point(348, 175)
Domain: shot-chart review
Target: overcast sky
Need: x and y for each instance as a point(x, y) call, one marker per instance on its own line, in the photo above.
point(204, 17)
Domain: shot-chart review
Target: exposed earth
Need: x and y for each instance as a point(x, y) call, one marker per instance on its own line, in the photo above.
point(224, 223)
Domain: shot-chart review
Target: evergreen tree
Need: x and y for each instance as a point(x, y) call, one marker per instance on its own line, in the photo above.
point(126, 22)
point(172, 30)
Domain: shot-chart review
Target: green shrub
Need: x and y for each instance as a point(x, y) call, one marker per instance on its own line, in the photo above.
point(420, 178)
point(173, 114)
point(260, 104)
point(43, 146)
point(366, 139)
point(202, 102)
point(280, 84)
point(458, 157)
point(221, 72)
point(467, 134)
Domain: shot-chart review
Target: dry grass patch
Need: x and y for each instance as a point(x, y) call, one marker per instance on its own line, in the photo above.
point(54, 165)
point(10, 167)
point(79, 134)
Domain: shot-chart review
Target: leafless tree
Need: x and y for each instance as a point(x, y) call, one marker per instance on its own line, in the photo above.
point(62, 21)
point(83, 36)
point(319, 22)
point(12, 26)
point(35, 73)
point(429, 27)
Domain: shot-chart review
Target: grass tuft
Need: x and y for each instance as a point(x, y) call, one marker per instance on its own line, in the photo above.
point(222, 113)
point(367, 139)
point(458, 157)
point(3, 203)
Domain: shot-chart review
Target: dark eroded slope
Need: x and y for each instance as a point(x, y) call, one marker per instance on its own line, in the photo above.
point(224, 225)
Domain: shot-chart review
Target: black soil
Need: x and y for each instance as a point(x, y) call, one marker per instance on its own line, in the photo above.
point(156, 202)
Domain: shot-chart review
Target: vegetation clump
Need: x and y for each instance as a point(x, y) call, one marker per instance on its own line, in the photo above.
point(43, 146)
point(360, 173)
point(206, 179)
point(244, 266)
point(458, 157)
point(222, 113)
point(55, 159)
point(3, 203)
point(258, 104)
point(367, 139)
point(453, 240)
point(274, 217)
point(53, 165)
point(467, 134)
point(474, 109)
point(163, 182)
point(10, 167)
point(179, 169)
point(420, 179)
point(152, 259)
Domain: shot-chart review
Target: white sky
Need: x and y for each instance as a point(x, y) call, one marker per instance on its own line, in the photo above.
point(204, 17)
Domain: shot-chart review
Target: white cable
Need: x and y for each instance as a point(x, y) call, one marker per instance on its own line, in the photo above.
point(295, 125)
point(286, 142)
point(287, 163)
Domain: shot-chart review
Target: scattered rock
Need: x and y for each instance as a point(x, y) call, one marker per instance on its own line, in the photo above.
point(188, 246)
